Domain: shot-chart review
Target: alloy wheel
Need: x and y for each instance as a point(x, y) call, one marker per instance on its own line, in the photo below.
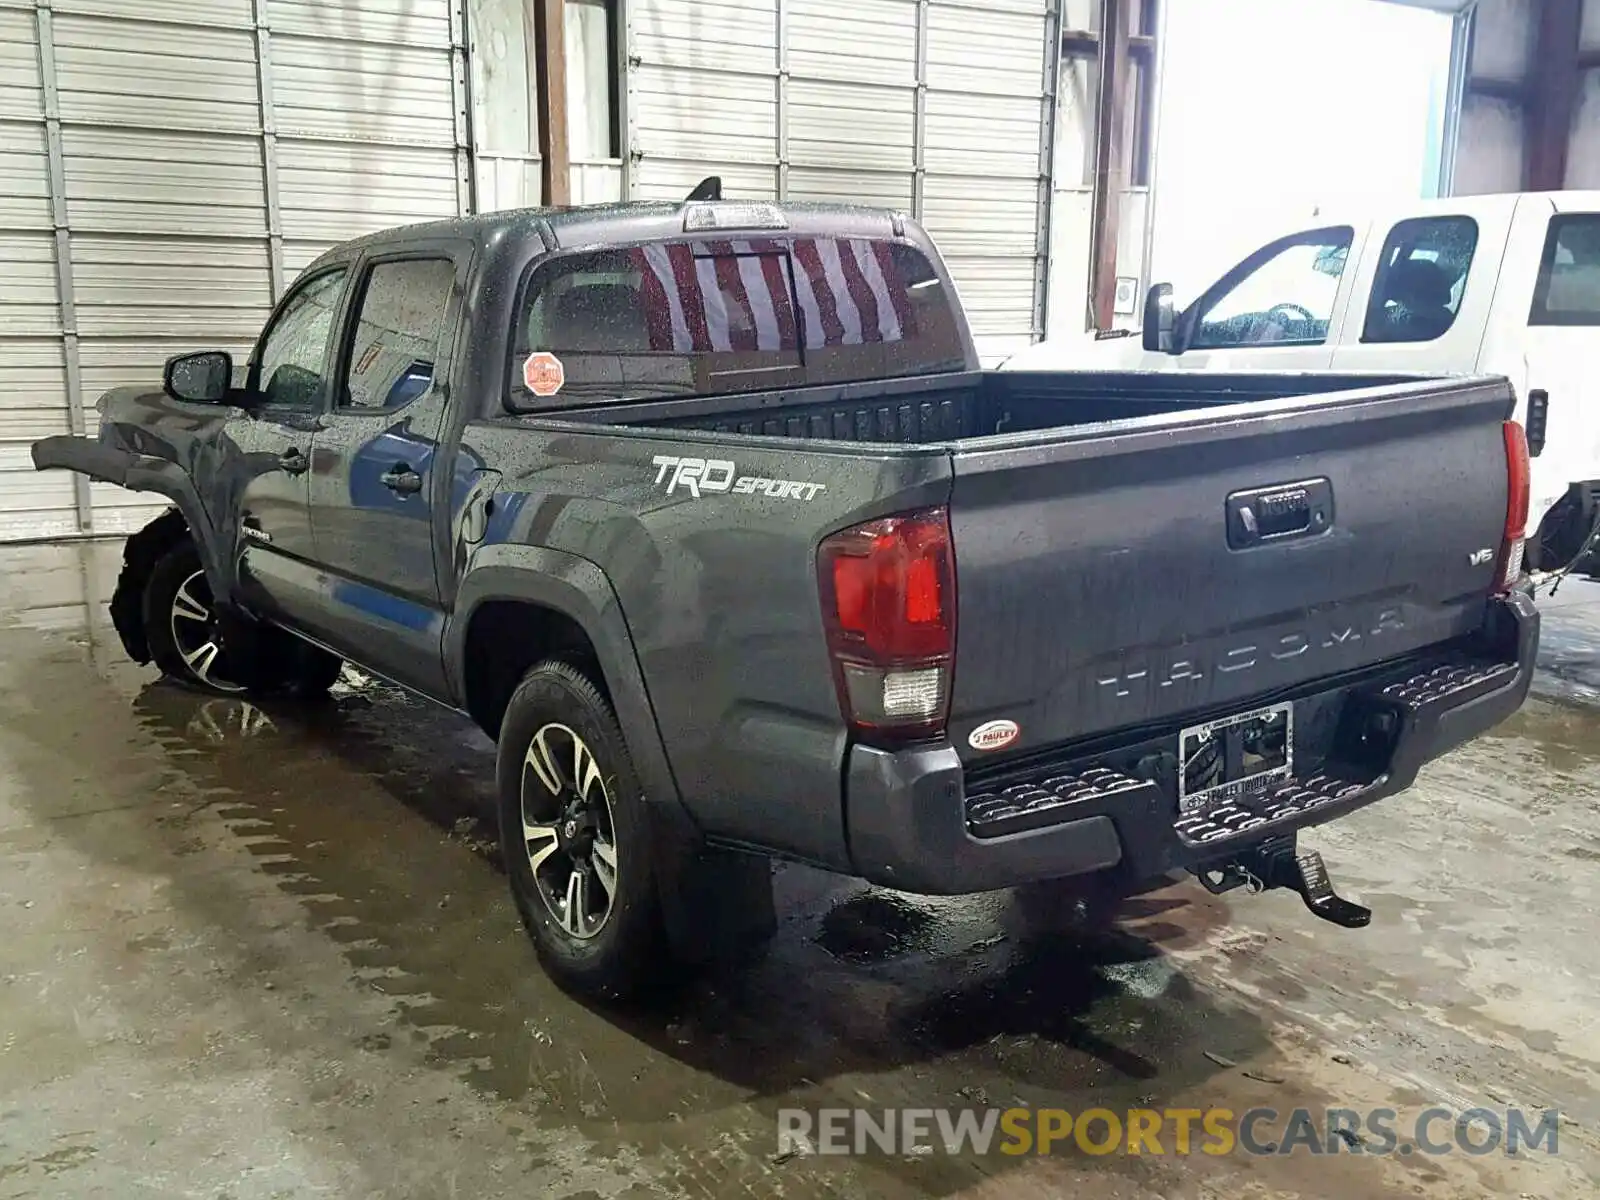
point(568, 831)
point(197, 634)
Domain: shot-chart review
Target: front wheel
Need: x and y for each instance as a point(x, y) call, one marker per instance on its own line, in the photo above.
point(574, 837)
point(190, 641)
point(183, 626)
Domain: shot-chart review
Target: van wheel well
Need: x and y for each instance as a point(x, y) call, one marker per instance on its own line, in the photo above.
point(507, 637)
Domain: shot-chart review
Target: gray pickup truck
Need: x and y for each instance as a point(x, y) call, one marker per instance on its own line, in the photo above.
point(707, 514)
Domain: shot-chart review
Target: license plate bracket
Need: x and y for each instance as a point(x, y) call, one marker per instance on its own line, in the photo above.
point(1232, 757)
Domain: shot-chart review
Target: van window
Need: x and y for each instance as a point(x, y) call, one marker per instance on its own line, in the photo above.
point(1421, 279)
point(1568, 291)
point(708, 318)
point(1285, 298)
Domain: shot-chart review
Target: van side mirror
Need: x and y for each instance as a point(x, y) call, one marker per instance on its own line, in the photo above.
point(200, 378)
point(1538, 420)
point(1159, 320)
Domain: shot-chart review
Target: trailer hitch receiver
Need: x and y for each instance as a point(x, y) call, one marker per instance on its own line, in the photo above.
point(1277, 863)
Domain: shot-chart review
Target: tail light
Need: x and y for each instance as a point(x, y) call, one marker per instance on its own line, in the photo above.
point(1515, 539)
point(888, 602)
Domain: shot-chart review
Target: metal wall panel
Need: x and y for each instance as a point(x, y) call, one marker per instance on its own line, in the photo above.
point(681, 113)
point(331, 191)
point(983, 199)
point(33, 388)
point(32, 504)
point(866, 41)
point(362, 92)
point(397, 22)
point(838, 186)
point(935, 107)
point(726, 35)
point(164, 169)
point(132, 72)
point(138, 287)
point(208, 184)
point(703, 95)
point(33, 376)
point(28, 305)
point(19, 66)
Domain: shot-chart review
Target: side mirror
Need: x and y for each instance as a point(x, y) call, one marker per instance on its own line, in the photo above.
point(1159, 319)
point(200, 378)
point(1538, 420)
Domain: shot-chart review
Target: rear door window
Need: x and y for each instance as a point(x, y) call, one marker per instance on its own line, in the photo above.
point(395, 348)
point(716, 317)
point(1568, 291)
point(1421, 279)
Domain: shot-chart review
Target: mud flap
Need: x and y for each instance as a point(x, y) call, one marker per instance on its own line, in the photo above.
point(716, 904)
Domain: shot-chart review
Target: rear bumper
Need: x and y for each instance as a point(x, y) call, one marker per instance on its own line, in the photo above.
point(919, 822)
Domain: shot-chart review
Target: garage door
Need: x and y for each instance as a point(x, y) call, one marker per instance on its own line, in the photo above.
point(167, 167)
point(934, 108)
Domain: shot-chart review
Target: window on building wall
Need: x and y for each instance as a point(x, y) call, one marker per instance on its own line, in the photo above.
point(591, 36)
point(1422, 277)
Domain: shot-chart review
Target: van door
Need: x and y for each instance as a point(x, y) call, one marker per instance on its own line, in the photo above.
point(1276, 311)
point(1423, 302)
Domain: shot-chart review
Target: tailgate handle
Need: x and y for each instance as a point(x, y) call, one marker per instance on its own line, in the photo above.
point(1279, 513)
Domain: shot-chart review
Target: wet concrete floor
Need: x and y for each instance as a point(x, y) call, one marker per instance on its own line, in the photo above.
point(269, 953)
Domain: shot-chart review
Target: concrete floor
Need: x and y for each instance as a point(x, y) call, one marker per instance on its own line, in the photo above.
point(270, 954)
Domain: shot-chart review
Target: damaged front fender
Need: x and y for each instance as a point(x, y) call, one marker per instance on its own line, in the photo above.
point(187, 519)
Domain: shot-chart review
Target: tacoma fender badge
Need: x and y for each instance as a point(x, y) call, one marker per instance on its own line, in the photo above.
point(1480, 558)
point(993, 735)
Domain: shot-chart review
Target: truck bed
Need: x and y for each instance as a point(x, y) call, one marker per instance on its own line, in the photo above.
point(928, 410)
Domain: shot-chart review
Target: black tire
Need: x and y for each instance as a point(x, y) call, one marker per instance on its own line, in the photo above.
point(178, 597)
point(610, 955)
point(306, 671)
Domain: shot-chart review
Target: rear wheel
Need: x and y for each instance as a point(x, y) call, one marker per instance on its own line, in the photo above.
point(574, 837)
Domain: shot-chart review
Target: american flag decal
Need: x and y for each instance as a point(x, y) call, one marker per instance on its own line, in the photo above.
point(752, 295)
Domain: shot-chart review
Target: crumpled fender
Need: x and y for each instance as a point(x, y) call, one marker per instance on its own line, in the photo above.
point(186, 519)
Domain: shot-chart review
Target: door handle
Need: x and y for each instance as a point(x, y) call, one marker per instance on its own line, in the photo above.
point(293, 462)
point(401, 479)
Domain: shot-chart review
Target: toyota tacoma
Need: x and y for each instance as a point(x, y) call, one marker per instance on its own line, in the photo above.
point(707, 514)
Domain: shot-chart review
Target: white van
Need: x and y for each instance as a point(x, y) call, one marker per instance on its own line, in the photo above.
point(1502, 285)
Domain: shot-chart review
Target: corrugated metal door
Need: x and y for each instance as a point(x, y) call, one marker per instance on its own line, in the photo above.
point(937, 107)
point(167, 167)
point(33, 363)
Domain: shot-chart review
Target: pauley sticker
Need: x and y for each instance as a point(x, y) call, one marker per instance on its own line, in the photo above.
point(543, 373)
point(994, 735)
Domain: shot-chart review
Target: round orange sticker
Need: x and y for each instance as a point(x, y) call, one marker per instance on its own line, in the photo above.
point(543, 373)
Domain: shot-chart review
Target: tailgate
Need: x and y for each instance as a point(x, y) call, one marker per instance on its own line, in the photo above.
point(1099, 586)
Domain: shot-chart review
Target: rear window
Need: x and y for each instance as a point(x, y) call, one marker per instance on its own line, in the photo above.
point(713, 317)
point(1568, 291)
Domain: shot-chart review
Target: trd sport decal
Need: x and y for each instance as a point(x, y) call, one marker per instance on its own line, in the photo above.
point(702, 476)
